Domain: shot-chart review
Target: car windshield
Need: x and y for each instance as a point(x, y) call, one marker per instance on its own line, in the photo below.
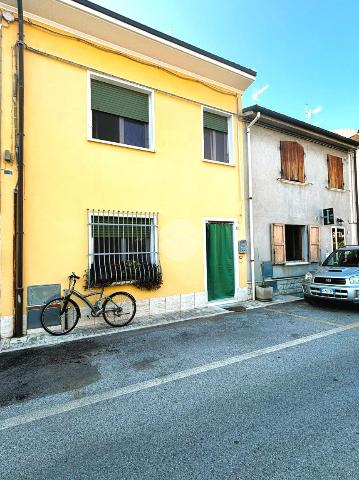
point(342, 258)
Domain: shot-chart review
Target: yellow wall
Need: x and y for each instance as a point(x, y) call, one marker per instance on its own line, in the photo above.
point(65, 173)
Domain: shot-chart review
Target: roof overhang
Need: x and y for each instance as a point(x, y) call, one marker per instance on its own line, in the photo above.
point(85, 18)
point(292, 126)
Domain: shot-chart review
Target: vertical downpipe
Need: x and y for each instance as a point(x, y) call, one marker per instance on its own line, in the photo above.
point(250, 203)
point(19, 254)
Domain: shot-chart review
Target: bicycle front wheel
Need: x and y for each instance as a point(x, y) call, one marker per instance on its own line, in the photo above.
point(60, 315)
point(119, 309)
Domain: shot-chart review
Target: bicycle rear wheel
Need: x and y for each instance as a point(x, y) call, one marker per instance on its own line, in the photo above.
point(60, 315)
point(119, 309)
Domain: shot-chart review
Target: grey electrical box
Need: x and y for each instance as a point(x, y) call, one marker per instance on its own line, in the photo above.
point(242, 246)
point(7, 156)
point(41, 294)
point(37, 297)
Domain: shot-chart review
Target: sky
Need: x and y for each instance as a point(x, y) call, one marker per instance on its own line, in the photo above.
point(306, 51)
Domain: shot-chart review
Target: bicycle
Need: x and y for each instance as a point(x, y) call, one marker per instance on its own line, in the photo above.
point(61, 314)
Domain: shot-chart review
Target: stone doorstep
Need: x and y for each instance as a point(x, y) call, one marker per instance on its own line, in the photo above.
point(39, 338)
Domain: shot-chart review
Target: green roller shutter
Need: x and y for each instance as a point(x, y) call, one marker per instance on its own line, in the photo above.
point(121, 227)
point(116, 100)
point(220, 261)
point(215, 122)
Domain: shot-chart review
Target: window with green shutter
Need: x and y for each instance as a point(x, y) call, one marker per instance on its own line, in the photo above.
point(119, 114)
point(215, 135)
point(216, 122)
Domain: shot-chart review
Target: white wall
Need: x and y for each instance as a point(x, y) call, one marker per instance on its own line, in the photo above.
point(277, 202)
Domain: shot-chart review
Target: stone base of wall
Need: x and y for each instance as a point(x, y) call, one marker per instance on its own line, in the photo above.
point(145, 307)
point(282, 286)
point(6, 326)
point(242, 294)
point(290, 285)
point(173, 303)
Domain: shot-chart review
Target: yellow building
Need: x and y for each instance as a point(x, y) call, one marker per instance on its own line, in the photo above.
point(133, 162)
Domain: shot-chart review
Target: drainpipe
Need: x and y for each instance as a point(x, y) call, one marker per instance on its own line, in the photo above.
point(19, 254)
point(356, 196)
point(250, 202)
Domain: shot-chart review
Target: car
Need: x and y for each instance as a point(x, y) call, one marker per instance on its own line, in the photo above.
point(336, 279)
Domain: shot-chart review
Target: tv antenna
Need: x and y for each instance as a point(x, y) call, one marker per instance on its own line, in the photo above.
point(309, 112)
point(259, 92)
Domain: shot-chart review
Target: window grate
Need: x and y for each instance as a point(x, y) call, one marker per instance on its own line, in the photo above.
point(123, 249)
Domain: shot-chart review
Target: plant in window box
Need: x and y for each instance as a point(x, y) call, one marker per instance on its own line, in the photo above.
point(264, 292)
point(150, 277)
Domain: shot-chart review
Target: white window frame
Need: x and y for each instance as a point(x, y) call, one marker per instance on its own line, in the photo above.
point(230, 136)
point(335, 229)
point(129, 86)
point(153, 241)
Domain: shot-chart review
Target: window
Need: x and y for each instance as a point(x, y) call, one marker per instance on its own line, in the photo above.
point(123, 248)
point(338, 237)
point(215, 137)
point(343, 258)
point(295, 243)
point(294, 250)
point(292, 161)
point(335, 172)
point(119, 114)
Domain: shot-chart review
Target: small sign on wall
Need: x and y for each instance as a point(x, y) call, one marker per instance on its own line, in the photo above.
point(328, 214)
point(242, 246)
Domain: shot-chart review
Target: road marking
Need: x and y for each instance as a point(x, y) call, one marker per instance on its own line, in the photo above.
point(156, 382)
point(286, 313)
point(326, 322)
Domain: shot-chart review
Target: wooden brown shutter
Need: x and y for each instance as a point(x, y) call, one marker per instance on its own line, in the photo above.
point(278, 243)
point(285, 160)
point(292, 161)
point(335, 172)
point(314, 243)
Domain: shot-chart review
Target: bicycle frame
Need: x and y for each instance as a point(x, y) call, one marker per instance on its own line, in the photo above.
point(94, 309)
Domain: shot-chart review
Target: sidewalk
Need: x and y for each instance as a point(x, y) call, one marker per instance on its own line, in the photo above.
point(39, 338)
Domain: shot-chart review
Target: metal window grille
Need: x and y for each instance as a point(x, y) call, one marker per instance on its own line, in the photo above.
point(122, 247)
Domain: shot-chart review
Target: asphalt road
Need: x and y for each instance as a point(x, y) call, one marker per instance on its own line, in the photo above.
point(265, 394)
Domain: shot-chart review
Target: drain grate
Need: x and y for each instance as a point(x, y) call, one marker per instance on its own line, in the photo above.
point(236, 308)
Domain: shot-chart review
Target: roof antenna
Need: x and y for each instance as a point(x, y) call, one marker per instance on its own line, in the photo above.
point(259, 92)
point(309, 112)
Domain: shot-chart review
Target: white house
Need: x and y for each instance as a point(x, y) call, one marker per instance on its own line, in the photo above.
point(297, 172)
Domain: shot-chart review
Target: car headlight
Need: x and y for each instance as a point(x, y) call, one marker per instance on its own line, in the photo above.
point(308, 277)
point(354, 279)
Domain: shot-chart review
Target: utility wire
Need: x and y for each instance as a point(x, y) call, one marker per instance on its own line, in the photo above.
point(126, 55)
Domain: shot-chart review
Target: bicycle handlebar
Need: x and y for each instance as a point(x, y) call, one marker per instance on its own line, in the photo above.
point(73, 276)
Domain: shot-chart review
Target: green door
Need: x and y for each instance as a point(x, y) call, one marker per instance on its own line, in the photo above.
point(220, 264)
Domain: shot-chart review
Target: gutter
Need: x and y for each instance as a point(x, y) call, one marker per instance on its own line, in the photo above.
point(86, 5)
point(317, 132)
point(19, 225)
point(250, 203)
